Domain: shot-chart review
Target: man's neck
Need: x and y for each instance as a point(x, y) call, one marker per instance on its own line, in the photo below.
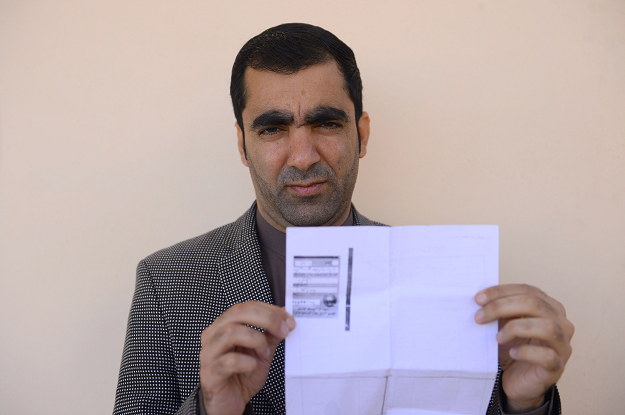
point(274, 240)
point(341, 221)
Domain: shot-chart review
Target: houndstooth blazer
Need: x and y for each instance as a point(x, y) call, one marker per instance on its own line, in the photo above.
point(179, 292)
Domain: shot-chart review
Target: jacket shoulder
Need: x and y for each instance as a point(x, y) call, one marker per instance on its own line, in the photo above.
point(204, 249)
point(209, 242)
point(361, 220)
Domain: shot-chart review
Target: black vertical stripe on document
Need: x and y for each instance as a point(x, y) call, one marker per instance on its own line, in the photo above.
point(348, 294)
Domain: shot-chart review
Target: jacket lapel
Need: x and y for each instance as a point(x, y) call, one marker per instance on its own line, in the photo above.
point(242, 275)
point(243, 279)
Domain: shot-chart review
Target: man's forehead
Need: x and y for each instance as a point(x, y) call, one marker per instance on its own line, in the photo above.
point(320, 85)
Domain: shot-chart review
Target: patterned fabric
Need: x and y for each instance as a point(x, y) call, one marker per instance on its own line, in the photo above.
point(179, 292)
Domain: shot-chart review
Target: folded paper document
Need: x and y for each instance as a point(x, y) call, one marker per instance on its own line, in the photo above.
point(385, 320)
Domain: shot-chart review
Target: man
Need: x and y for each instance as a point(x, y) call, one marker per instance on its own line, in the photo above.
point(297, 98)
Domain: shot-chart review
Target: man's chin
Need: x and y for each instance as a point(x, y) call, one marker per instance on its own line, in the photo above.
point(311, 214)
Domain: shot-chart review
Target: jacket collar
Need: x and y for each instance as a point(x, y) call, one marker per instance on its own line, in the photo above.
point(242, 274)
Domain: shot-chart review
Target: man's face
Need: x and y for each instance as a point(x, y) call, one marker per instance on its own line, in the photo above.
point(302, 145)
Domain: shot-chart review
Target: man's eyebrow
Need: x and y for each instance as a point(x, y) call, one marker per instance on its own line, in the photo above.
point(321, 114)
point(271, 118)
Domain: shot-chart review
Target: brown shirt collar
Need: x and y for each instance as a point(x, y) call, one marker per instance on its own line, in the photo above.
point(273, 252)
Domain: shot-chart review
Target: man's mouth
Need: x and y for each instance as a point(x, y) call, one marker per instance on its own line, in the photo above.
point(307, 189)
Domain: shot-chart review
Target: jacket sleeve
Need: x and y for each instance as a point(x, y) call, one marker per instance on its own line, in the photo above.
point(148, 382)
point(552, 406)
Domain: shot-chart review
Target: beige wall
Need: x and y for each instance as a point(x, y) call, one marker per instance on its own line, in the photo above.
point(117, 139)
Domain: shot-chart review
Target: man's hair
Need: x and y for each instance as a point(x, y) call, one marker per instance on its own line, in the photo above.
point(287, 49)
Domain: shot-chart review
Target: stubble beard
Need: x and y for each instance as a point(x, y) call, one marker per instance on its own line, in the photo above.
point(287, 209)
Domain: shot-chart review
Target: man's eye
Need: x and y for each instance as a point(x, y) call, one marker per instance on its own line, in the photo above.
point(269, 131)
point(330, 125)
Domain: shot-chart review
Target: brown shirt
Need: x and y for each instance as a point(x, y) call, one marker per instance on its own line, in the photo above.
point(273, 252)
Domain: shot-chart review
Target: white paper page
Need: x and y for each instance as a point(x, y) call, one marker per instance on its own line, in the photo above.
point(332, 370)
point(437, 347)
point(335, 363)
point(321, 344)
point(435, 273)
point(403, 411)
point(446, 392)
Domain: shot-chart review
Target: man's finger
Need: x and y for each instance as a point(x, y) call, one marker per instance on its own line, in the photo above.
point(547, 330)
point(227, 337)
point(542, 356)
point(272, 341)
point(506, 290)
point(266, 316)
point(230, 364)
point(515, 306)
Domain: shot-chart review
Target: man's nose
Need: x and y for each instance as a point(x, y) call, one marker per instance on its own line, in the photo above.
point(302, 148)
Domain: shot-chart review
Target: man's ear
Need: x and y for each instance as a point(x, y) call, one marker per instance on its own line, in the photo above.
point(363, 129)
point(241, 144)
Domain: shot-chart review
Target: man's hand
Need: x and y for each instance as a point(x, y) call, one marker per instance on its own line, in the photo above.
point(534, 340)
point(235, 359)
